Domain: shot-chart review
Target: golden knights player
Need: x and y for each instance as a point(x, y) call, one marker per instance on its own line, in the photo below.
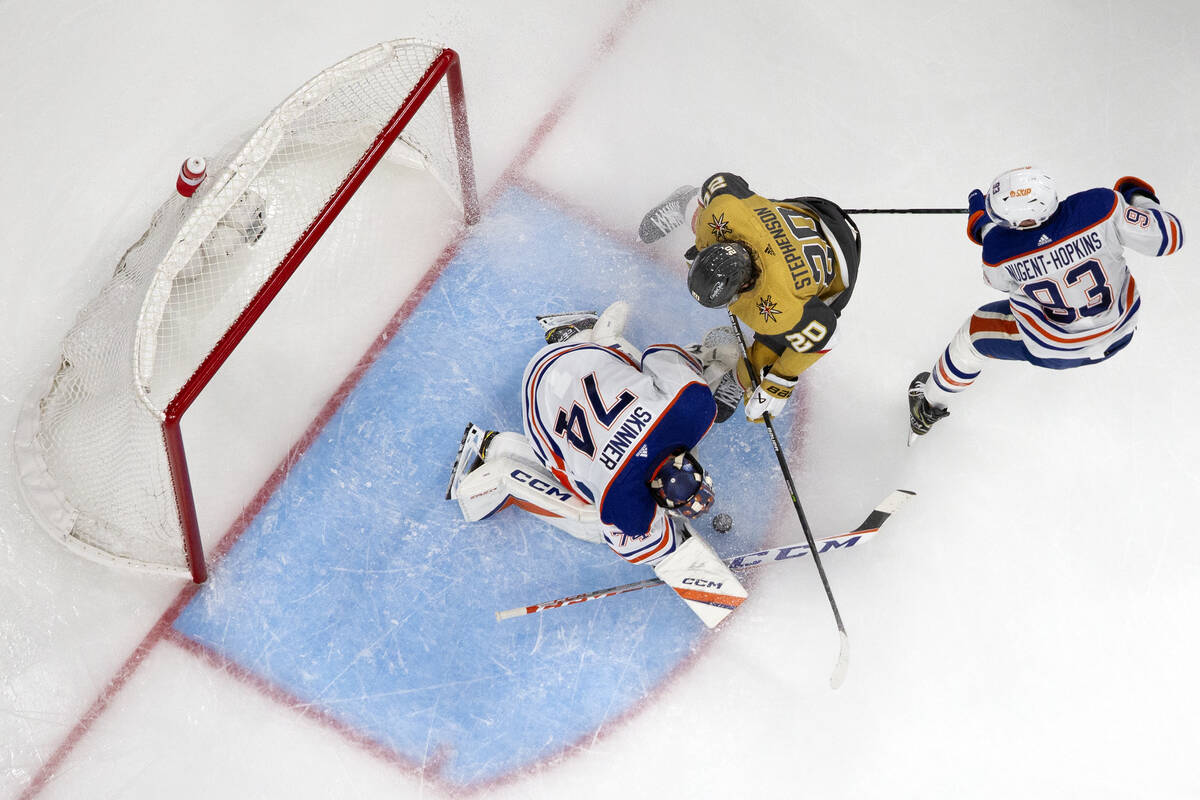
point(786, 268)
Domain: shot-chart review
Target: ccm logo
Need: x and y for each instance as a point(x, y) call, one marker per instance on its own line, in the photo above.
point(539, 485)
point(700, 582)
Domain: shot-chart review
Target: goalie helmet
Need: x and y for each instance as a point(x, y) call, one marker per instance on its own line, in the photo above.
point(680, 485)
point(1022, 198)
point(719, 273)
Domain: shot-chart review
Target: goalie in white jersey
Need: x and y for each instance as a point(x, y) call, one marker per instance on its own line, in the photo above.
point(1071, 298)
point(606, 453)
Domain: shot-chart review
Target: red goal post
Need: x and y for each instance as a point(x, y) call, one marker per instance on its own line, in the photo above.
point(99, 445)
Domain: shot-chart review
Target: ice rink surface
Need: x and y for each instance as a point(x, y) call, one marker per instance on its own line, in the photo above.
point(1023, 628)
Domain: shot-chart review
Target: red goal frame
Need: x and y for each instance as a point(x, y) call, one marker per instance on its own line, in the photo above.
point(445, 66)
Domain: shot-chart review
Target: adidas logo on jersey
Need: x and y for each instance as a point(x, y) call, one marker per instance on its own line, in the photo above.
point(1044, 240)
point(643, 452)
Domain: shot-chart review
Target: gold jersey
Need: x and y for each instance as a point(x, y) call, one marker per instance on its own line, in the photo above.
point(798, 271)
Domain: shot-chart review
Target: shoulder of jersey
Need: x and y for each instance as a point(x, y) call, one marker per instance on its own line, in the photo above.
point(725, 183)
point(1084, 209)
point(1076, 213)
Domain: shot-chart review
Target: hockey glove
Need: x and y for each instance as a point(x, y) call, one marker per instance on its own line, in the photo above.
point(770, 397)
point(1130, 187)
point(977, 216)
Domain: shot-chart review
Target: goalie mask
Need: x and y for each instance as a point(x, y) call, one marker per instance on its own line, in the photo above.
point(680, 485)
point(1022, 198)
point(720, 272)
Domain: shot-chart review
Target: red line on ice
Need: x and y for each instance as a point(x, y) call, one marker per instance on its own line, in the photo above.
point(163, 628)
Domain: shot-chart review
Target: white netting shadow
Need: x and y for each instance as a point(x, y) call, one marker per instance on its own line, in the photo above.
point(92, 442)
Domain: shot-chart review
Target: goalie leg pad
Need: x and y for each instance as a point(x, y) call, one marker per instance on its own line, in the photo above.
point(507, 479)
point(611, 324)
point(701, 578)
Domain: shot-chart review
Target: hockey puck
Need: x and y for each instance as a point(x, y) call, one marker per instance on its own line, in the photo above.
point(722, 522)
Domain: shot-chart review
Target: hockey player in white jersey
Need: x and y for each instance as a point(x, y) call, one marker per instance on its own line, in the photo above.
point(606, 453)
point(1071, 298)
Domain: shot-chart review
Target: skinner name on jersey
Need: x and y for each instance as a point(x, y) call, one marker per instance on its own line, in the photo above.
point(1064, 255)
point(627, 434)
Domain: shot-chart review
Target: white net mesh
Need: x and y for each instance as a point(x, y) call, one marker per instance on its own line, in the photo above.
point(90, 449)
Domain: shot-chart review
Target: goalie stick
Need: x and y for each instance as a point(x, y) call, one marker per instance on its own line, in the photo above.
point(869, 527)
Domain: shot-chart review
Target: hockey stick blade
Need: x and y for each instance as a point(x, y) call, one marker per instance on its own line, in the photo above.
point(869, 527)
point(843, 663)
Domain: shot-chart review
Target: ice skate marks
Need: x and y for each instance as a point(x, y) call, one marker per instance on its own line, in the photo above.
point(359, 590)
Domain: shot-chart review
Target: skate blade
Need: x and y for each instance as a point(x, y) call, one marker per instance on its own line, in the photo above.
point(551, 321)
point(468, 448)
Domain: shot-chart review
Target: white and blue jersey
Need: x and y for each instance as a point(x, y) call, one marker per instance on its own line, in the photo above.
point(1070, 291)
point(601, 421)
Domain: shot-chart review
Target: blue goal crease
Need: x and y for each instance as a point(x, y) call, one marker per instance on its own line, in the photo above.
point(361, 591)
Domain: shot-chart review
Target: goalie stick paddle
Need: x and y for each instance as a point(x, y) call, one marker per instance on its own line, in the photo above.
point(869, 527)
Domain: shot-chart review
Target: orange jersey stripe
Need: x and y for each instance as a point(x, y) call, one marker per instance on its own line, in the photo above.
point(984, 324)
point(946, 377)
point(667, 538)
point(971, 224)
point(530, 507)
point(710, 598)
point(1034, 322)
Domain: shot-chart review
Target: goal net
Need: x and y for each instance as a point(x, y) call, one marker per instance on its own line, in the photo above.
point(99, 446)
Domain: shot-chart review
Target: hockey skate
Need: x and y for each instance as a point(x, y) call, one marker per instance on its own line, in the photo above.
point(560, 327)
point(667, 215)
point(471, 452)
point(605, 328)
point(921, 413)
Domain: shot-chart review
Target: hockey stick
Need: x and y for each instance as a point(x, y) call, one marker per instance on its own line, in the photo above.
point(843, 662)
point(905, 210)
point(869, 527)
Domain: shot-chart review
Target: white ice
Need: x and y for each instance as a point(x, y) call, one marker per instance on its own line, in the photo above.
point(1027, 629)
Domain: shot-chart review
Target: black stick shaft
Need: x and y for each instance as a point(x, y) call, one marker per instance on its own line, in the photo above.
point(905, 210)
point(787, 478)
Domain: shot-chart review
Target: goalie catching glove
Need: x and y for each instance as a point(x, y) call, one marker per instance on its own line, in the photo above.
point(718, 357)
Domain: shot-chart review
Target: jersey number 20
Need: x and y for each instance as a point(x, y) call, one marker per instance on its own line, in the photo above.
point(812, 247)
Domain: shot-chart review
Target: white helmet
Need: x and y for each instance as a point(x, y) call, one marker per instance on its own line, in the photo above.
point(1022, 198)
